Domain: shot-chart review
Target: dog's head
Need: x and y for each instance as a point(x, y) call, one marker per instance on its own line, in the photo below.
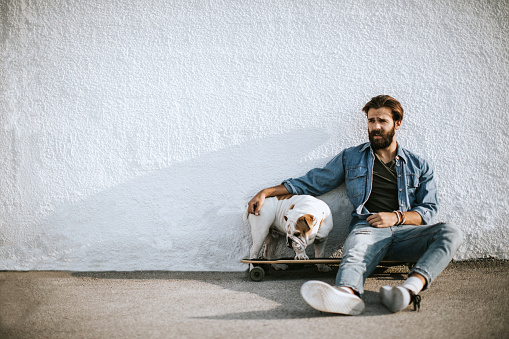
point(299, 232)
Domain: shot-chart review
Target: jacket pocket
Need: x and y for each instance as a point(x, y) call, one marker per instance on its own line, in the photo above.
point(412, 183)
point(356, 181)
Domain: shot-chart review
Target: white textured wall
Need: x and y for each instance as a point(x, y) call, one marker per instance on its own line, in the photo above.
point(133, 132)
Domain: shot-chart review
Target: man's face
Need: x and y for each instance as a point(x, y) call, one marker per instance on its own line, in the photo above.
point(381, 127)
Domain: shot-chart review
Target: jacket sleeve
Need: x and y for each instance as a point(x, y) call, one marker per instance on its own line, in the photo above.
point(426, 197)
point(319, 181)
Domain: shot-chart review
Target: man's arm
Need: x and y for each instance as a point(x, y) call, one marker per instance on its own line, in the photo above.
point(258, 200)
point(319, 181)
point(316, 182)
point(426, 196)
point(388, 219)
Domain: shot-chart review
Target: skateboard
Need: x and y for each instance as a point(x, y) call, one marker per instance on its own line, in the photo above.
point(258, 267)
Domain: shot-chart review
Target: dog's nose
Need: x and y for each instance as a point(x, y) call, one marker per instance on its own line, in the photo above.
point(289, 242)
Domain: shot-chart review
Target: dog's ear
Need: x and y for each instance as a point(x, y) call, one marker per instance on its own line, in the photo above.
point(309, 219)
point(304, 223)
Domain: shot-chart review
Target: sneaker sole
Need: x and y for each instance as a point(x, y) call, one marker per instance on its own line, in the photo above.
point(325, 298)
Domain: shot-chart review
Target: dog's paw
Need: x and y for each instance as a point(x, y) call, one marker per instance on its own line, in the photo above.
point(280, 267)
point(323, 268)
point(301, 256)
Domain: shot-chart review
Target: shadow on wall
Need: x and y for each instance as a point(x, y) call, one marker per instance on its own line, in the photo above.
point(186, 217)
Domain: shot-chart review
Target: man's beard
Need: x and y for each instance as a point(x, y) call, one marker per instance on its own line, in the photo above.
point(385, 140)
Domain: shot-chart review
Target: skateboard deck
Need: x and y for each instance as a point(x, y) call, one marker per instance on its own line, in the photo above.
point(292, 261)
point(257, 271)
point(307, 261)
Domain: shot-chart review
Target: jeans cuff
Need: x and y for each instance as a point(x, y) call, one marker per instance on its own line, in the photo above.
point(358, 292)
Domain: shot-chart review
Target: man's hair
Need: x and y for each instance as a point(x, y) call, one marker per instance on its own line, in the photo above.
point(385, 101)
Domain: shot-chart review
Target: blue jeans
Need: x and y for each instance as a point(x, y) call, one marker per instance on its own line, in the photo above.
point(431, 247)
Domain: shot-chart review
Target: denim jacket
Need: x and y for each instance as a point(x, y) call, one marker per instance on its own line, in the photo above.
point(354, 166)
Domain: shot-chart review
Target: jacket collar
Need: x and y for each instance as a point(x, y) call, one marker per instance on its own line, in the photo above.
point(399, 151)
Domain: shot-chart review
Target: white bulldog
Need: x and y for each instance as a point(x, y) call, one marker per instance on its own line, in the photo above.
point(303, 219)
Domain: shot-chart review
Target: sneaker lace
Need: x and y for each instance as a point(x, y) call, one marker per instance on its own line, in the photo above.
point(416, 300)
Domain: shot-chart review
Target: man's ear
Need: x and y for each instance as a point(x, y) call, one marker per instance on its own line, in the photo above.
point(397, 124)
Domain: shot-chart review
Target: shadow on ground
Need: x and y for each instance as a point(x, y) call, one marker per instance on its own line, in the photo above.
point(280, 287)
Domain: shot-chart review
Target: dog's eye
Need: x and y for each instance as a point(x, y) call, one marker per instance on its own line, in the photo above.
point(297, 234)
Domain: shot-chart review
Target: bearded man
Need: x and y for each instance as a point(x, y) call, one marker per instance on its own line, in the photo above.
point(395, 201)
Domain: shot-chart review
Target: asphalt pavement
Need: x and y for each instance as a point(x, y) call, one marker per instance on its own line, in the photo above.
point(468, 300)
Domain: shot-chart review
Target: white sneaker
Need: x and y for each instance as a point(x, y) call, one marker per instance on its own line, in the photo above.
point(395, 298)
point(326, 298)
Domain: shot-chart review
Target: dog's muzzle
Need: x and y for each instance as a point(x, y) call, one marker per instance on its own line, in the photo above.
point(295, 243)
point(289, 241)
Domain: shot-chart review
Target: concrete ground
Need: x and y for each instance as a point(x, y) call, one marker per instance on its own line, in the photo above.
point(468, 300)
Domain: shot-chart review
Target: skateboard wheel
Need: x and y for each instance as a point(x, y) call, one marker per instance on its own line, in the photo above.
point(257, 273)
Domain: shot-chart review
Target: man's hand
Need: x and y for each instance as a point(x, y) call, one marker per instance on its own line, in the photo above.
point(256, 203)
point(382, 219)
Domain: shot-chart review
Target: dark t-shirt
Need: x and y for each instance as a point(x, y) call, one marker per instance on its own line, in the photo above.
point(384, 193)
